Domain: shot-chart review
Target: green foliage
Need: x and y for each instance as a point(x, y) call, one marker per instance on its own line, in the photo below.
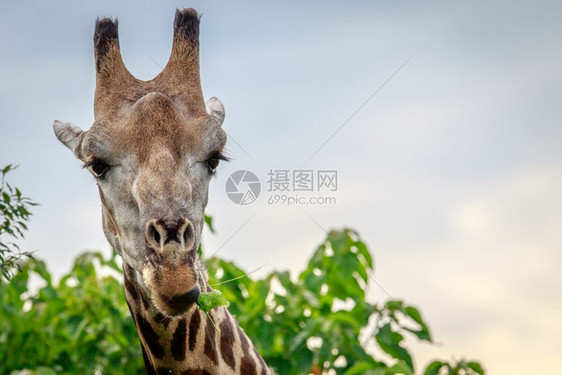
point(313, 323)
point(78, 326)
point(14, 213)
point(458, 368)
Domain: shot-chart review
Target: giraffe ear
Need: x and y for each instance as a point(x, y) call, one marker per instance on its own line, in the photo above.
point(70, 135)
point(216, 109)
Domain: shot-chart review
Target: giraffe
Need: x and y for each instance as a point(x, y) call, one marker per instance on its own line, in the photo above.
point(152, 149)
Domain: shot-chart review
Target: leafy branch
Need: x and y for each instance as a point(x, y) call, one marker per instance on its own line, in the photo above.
point(461, 367)
point(314, 322)
point(14, 214)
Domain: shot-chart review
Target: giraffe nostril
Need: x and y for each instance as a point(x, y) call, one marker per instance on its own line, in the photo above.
point(156, 235)
point(153, 235)
point(186, 235)
point(160, 232)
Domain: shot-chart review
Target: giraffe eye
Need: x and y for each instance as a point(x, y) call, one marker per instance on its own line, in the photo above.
point(214, 160)
point(212, 164)
point(98, 167)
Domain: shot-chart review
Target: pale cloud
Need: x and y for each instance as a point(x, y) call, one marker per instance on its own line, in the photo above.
point(495, 289)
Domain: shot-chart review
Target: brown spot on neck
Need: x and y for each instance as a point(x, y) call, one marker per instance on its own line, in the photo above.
point(150, 337)
point(210, 348)
point(194, 324)
point(227, 342)
point(178, 345)
point(247, 365)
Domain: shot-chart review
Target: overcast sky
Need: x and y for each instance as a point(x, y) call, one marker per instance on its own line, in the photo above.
point(451, 172)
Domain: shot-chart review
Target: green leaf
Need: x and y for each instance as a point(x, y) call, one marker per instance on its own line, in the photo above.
point(399, 368)
point(414, 313)
point(209, 222)
point(476, 367)
point(364, 252)
point(7, 168)
point(361, 368)
point(395, 305)
point(389, 341)
point(209, 300)
point(420, 334)
point(433, 368)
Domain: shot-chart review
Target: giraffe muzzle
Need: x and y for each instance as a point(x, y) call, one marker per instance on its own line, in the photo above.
point(181, 302)
point(174, 288)
point(169, 268)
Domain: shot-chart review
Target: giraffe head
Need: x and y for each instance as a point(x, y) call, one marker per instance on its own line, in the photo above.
point(153, 148)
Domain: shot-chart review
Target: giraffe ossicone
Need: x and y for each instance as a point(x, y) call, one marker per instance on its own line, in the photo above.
point(153, 148)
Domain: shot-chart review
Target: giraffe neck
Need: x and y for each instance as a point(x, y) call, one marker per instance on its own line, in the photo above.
point(188, 344)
